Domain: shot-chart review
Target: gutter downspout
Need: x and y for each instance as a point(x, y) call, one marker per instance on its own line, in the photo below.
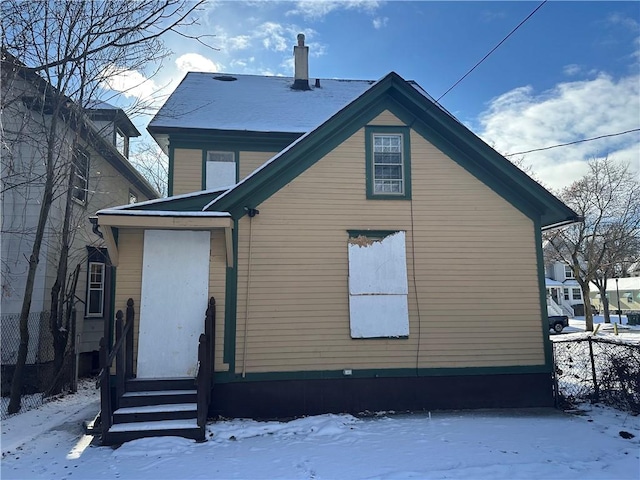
point(251, 212)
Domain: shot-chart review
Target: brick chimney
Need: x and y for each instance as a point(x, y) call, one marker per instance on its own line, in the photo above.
point(301, 59)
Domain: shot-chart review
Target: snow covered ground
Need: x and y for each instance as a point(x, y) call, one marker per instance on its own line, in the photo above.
point(614, 330)
point(508, 444)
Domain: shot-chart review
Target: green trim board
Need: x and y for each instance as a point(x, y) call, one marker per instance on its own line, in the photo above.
point(228, 139)
point(548, 348)
point(231, 306)
point(225, 377)
point(172, 157)
point(194, 202)
point(372, 233)
point(369, 132)
point(427, 119)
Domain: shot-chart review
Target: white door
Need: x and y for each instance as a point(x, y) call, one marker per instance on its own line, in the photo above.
point(175, 285)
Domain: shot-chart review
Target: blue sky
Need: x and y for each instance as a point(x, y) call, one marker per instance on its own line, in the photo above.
point(572, 71)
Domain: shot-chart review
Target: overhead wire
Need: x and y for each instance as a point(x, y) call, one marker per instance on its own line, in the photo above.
point(572, 143)
point(492, 50)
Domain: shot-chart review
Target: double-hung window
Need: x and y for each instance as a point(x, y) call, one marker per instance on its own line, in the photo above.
point(80, 165)
point(388, 162)
point(96, 280)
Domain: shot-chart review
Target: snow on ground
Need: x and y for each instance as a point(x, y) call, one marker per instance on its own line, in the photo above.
point(576, 329)
point(488, 444)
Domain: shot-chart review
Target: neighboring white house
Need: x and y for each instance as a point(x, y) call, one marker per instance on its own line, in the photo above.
point(97, 147)
point(564, 295)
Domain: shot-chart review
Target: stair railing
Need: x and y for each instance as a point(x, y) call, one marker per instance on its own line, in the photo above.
point(204, 379)
point(123, 352)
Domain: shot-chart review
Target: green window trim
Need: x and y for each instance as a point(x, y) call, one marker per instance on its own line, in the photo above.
point(370, 132)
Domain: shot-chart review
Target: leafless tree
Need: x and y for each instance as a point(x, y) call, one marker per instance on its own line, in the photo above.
point(151, 161)
point(608, 198)
point(65, 52)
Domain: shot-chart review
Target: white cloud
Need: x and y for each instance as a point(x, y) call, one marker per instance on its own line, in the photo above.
point(380, 22)
point(194, 62)
point(131, 83)
point(521, 120)
point(317, 9)
point(572, 69)
point(273, 36)
point(617, 19)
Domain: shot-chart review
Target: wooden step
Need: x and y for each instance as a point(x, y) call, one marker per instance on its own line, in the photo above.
point(124, 432)
point(157, 397)
point(148, 413)
point(148, 384)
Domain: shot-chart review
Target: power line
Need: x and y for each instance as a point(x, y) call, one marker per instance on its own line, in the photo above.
point(492, 50)
point(572, 143)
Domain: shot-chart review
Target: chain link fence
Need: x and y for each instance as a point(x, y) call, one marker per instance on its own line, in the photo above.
point(39, 374)
point(597, 370)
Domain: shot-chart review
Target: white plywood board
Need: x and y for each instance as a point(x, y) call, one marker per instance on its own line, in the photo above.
point(220, 174)
point(378, 266)
point(376, 316)
point(175, 285)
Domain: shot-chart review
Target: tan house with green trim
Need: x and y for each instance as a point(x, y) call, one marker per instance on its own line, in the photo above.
point(382, 257)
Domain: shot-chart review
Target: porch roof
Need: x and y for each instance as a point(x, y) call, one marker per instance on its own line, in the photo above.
point(114, 218)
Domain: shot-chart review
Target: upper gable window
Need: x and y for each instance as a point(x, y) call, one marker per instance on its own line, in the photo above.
point(80, 176)
point(220, 170)
point(122, 143)
point(388, 163)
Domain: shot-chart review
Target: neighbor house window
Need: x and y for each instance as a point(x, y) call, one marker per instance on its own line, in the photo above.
point(122, 143)
point(220, 170)
point(565, 292)
point(133, 197)
point(576, 294)
point(80, 181)
point(378, 285)
point(388, 162)
point(568, 272)
point(95, 289)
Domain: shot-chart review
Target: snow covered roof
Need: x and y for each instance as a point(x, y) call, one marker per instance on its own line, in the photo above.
point(253, 103)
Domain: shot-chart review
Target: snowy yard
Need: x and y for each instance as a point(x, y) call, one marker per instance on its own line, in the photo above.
point(539, 443)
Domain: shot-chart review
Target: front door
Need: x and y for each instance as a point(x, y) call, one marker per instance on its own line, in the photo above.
point(175, 285)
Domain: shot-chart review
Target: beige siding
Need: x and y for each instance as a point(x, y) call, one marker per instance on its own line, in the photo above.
point(477, 301)
point(386, 118)
point(187, 171)
point(129, 281)
point(187, 174)
point(217, 283)
point(249, 161)
point(129, 276)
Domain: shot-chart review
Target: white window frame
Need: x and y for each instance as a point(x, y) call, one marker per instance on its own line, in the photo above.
point(568, 272)
point(573, 294)
point(379, 183)
point(122, 145)
point(80, 176)
point(565, 294)
point(93, 286)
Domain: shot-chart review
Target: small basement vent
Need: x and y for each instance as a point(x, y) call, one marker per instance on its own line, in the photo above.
point(225, 78)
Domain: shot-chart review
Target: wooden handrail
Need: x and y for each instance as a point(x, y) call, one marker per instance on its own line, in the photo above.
point(204, 380)
point(124, 366)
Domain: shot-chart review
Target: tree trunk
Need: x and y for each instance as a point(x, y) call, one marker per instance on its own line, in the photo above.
point(45, 206)
point(604, 300)
point(60, 306)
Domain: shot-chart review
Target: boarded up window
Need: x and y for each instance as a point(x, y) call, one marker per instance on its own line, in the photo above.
point(220, 170)
point(378, 286)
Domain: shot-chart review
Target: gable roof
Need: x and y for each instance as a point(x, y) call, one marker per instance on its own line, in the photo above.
point(252, 103)
point(419, 111)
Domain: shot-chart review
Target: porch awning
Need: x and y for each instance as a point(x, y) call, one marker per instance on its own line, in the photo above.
point(112, 219)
